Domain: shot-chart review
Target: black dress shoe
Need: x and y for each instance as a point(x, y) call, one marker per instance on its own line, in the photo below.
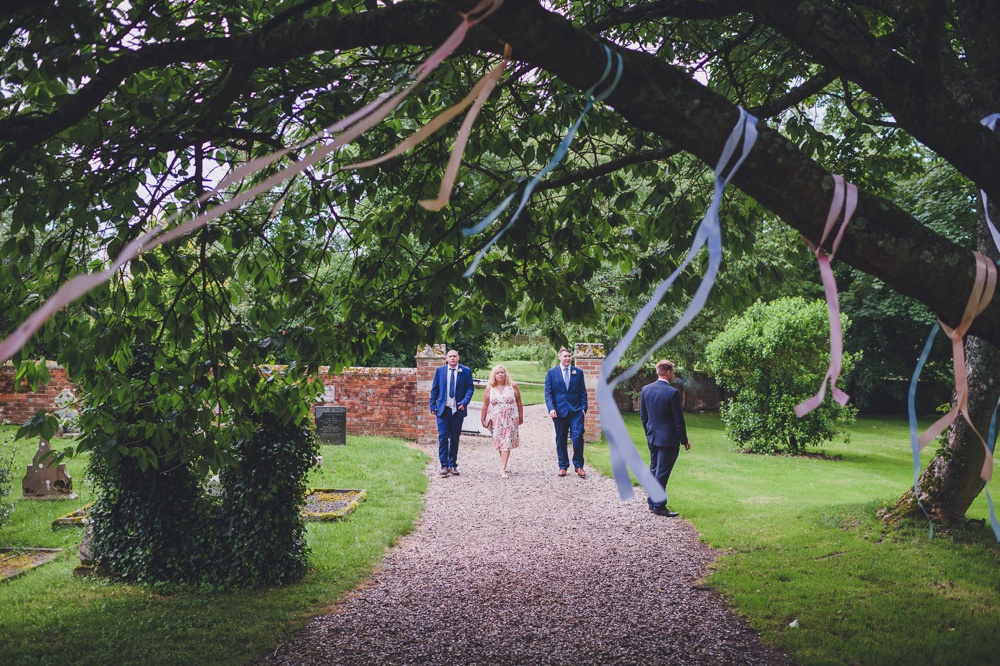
point(662, 511)
point(445, 471)
point(454, 471)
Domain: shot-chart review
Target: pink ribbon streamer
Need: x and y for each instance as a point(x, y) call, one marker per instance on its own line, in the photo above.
point(479, 94)
point(351, 128)
point(845, 199)
point(455, 161)
point(982, 293)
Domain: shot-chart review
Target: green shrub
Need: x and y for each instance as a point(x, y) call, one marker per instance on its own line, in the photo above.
point(542, 354)
point(773, 356)
point(150, 524)
point(262, 531)
point(6, 476)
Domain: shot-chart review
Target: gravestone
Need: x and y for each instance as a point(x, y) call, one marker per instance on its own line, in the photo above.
point(45, 480)
point(69, 417)
point(331, 424)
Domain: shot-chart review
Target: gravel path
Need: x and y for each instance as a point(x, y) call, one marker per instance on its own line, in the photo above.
point(534, 569)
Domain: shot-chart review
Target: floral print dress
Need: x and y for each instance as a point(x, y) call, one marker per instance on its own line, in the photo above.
point(503, 418)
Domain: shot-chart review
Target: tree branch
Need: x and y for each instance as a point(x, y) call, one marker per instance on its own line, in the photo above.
point(691, 10)
point(917, 100)
point(882, 240)
point(795, 96)
point(610, 166)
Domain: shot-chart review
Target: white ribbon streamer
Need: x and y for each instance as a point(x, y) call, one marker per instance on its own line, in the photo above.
point(624, 455)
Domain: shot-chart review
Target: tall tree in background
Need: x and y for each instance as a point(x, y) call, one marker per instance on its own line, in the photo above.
point(113, 115)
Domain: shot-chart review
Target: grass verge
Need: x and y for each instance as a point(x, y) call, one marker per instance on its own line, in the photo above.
point(50, 617)
point(802, 542)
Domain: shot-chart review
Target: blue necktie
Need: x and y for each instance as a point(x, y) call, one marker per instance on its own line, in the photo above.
point(566, 377)
point(451, 383)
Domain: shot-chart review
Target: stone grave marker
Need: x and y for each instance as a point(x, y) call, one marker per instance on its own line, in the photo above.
point(44, 480)
point(331, 424)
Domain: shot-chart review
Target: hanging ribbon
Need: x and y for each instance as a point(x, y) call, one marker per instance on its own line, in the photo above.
point(559, 154)
point(990, 122)
point(914, 429)
point(983, 288)
point(479, 94)
point(624, 456)
point(991, 441)
point(455, 161)
point(979, 299)
point(845, 199)
point(349, 128)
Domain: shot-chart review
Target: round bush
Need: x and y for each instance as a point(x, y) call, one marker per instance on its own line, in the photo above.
point(773, 356)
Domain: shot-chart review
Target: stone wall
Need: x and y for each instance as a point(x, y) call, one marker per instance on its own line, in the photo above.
point(20, 404)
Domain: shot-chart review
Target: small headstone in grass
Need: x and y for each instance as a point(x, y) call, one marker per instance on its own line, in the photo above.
point(44, 480)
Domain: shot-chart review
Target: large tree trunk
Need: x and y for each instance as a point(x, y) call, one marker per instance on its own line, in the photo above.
point(952, 479)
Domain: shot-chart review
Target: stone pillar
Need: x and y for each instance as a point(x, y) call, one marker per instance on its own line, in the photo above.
point(428, 360)
point(588, 356)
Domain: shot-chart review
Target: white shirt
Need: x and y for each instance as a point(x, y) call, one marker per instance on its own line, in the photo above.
point(450, 401)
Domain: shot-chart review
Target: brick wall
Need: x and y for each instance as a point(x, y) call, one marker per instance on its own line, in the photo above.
point(428, 360)
point(588, 356)
point(379, 401)
point(20, 404)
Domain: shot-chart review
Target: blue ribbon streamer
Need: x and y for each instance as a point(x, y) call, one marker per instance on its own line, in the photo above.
point(914, 430)
point(991, 441)
point(556, 159)
point(990, 122)
point(624, 455)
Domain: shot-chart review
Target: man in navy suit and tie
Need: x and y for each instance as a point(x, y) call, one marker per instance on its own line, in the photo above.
point(566, 398)
point(451, 393)
point(663, 421)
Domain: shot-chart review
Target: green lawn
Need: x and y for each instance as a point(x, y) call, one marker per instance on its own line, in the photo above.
point(802, 542)
point(529, 376)
point(520, 371)
point(50, 617)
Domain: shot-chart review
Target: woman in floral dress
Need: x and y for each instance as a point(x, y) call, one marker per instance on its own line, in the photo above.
point(503, 413)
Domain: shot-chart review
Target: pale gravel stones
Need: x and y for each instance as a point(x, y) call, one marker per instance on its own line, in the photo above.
point(535, 569)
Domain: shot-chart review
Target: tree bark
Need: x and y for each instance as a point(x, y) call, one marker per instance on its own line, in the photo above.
point(952, 479)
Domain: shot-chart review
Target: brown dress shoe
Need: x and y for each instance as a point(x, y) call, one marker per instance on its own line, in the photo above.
point(580, 473)
point(562, 472)
point(454, 471)
point(445, 471)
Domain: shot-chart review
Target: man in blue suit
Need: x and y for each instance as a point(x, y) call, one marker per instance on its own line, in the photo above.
point(566, 398)
point(451, 393)
point(663, 420)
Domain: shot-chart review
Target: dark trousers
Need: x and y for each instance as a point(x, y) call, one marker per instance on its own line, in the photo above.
point(449, 428)
point(569, 427)
point(661, 462)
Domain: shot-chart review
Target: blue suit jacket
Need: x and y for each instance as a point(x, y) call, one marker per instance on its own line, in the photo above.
point(662, 416)
point(561, 399)
point(464, 388)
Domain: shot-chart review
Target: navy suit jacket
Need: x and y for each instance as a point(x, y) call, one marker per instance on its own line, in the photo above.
point(662, 416)
point(464, 389)
point(563, 400)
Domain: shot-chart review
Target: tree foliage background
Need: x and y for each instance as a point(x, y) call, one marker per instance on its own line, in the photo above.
point(113, 116)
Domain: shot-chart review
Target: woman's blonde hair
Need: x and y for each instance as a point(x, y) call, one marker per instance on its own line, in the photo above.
point(493, 376)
